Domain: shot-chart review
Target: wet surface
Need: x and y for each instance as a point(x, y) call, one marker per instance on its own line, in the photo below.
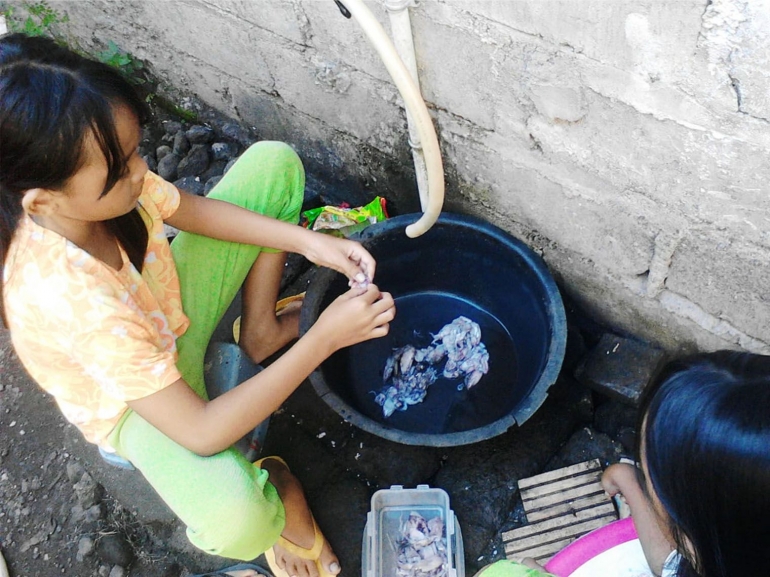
point(448, 406)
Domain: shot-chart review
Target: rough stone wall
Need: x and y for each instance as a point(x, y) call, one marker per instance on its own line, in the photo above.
point(626, 141)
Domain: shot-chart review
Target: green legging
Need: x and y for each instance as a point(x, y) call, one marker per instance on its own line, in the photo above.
point(228, 505)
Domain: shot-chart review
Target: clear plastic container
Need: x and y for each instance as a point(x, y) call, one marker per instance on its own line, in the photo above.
point(390, 509)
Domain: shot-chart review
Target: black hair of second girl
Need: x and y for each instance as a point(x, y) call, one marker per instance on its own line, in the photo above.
point(51, 99)
point(707, 449)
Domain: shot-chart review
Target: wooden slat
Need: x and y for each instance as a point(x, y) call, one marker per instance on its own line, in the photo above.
point(558, 522)
point(562, 497)
point(562, 532)
point(586, 478)
point(560, 506)
point(568, 508)
point(556, 541)
point(560, 474)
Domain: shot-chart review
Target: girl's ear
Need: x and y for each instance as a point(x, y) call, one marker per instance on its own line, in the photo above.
point(38, 202)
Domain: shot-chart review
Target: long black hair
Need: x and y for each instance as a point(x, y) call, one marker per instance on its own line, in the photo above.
point(51, 100)
point(707, 448)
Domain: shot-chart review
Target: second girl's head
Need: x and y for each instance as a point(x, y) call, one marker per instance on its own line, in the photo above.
point(705, 450)
point(59, 112)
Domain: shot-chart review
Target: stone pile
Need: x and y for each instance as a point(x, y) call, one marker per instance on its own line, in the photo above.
point(194, 157)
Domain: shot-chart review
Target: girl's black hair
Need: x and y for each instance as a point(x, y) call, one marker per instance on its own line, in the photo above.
point(51, 100)
point(706, 441)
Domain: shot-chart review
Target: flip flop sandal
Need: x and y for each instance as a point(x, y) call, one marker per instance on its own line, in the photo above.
point(281, 307)
point(239, 567)
point(312, 554)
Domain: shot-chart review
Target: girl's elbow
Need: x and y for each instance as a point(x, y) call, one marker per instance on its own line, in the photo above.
point(203, 447)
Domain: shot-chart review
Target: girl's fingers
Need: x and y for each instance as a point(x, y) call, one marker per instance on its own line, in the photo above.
point(380, 331)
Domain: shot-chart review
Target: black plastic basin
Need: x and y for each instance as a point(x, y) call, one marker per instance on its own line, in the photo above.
point(462, 266)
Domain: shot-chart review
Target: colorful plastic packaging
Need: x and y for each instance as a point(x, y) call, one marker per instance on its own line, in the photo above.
point(344, 221)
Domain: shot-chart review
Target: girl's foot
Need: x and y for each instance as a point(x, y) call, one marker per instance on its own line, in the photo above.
point(260, 338)
point(302, 550)
point(296, 566)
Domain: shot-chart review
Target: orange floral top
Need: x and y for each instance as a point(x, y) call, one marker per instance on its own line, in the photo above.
point(92, 336)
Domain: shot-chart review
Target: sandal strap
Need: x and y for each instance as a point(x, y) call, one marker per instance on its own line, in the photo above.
point(274, 457)
point(283, 303)
point(312, 554)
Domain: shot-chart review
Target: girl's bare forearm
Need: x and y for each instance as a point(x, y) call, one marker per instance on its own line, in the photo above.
point(209, 427)
point(225, 221)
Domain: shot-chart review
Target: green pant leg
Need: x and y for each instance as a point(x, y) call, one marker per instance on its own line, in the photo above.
point(269, 179)
point(227, 504)
point(229, 507)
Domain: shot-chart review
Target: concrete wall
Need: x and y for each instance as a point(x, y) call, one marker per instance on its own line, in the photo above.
point(626, 141)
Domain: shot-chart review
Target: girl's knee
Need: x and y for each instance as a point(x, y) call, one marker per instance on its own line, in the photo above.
point(276, 153)
point(240, 531)
point(267, 178)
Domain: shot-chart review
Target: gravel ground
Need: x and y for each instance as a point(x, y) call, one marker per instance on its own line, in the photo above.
point(54, 518)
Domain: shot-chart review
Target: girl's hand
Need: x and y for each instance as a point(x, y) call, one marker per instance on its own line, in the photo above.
point(620, 478)
point(342, 255)
point(355, 316)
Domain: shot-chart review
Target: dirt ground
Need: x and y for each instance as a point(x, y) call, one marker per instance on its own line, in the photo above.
point(54, 518)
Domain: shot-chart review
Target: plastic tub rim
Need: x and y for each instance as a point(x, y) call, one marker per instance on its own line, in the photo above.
point(528, 406)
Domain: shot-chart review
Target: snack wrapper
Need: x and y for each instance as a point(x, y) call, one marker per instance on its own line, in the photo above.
point(344, 221)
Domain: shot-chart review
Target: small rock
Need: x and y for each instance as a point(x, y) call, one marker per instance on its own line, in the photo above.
point(181, 144)
point(224, 150)
point(199, 134)
point(85, 548)
point(87, 491)
point(117, 571)
point(238, 133)
point(49, 459)
point(216, 168)
point(229, 165)
point(104, 570)
point(191, 184)
point(167, 167)
point(210, 184)
point(114, 549)
point(584, 445)
point(32, 485)
point(163, 151)
point(172, 127)
point(620, 368)
point(74, 471)
point(94, 513)
point(195, 163)
point(151, 162)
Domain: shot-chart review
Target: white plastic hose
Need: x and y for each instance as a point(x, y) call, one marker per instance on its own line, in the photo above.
point(401, 33)
point(415, 107)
